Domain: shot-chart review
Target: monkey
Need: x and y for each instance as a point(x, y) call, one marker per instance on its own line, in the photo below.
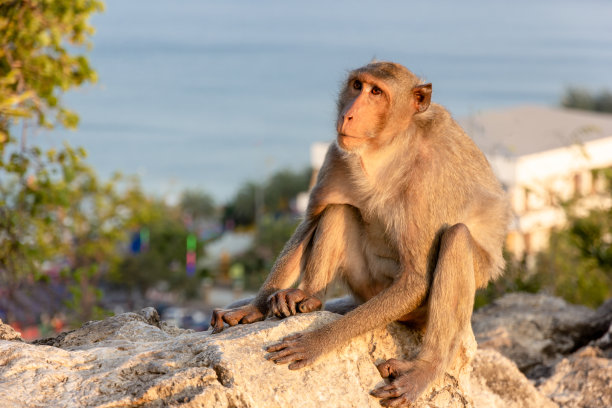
point(407, 213)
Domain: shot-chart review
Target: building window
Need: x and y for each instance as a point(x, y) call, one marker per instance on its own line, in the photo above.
point(577, 184)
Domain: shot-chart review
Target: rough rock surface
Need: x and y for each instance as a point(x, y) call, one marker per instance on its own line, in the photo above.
point(497, 382)
point(536, 331)
point(134, 360)
point(8, 333)
point(566, 350)
point(582, 380)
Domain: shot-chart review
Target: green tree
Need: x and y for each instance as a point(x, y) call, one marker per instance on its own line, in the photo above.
point(578, 263)
point(52, 206)
point(271, 197)
point(163, 260)
point(580, 98)
point(270, 238)
point(35, 64)
point(198, 204)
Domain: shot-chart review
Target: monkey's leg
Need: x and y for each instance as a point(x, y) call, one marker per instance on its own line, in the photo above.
point(334, 249)
point(450, 304)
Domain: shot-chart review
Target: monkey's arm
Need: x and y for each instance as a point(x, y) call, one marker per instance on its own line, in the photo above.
point(284, 273)
point(329, 189)
point(403, 296)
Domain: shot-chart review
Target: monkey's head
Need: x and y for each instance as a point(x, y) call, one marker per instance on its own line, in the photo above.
point(378, 102)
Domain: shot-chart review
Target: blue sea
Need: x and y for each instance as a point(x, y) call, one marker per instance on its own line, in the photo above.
point(209, 94)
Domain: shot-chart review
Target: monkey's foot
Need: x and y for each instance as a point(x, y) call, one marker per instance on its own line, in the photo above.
point(408, 381)
point(244, 314)
point(289, 302)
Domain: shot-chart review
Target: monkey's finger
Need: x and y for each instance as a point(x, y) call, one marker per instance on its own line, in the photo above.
point(252, 317)
point(282, 305)
point(386, 391)
point(384, 370)
point(393, 367)
point(273, 305)
point(309, 305)
point(277, 347)
point(395, 402)
point(291, 304)
point(296, 365)
point(287, 357)
point(216, 321)
point(217, 329)
point(233, 318)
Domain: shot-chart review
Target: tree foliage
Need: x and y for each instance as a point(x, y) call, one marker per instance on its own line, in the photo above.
point(163, 258)
point(54, 212)
point(577, 265)
point(580, 98)
point(274, 196)
point(198, 204)
point(36, 66)
point(270, 238)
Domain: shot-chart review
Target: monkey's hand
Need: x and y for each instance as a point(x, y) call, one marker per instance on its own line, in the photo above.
point(300, 350)
point(408, 381)
point(289, 302)
point(244, 315)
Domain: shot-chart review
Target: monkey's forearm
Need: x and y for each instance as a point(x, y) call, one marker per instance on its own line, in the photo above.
point(388, 306)
point(286, 269)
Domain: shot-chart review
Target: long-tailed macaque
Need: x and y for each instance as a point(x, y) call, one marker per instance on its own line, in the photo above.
point(407, 212)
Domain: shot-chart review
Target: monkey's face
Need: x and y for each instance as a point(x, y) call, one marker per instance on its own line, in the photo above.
point(363, 109)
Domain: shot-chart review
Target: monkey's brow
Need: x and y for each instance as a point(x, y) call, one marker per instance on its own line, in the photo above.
point(365, 77)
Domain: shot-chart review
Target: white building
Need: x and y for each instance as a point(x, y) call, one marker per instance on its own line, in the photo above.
point(542, 156)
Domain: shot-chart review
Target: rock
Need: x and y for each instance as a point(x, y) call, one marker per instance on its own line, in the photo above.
point(565, 349)
point(133, 359)
point(497, 382)
point(8, 333)
point(581, 381)
point(536, 331)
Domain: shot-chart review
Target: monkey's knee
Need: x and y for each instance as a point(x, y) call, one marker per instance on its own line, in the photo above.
point(456, 235)
point(339, 214)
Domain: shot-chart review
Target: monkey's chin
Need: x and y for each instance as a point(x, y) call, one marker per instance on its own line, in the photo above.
point(350, 143)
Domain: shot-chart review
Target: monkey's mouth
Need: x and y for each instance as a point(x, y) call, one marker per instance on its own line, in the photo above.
point(344, 135)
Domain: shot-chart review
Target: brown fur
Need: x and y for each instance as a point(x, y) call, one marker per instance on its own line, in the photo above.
point(407, 212)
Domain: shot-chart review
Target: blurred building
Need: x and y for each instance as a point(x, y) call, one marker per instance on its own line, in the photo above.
point(542, 156)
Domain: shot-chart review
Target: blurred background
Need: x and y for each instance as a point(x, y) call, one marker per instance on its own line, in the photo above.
point(160, 154)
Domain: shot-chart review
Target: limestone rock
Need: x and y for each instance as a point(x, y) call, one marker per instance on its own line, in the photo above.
point(535, 331)
point(497, 382)
point(133, 359)
point(565, 349)
point(581, 381)
point(8, 333)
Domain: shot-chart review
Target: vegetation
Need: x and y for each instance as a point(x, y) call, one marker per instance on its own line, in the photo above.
point(271, 197)
point(58, 221)
point(577, 265)
point(51, 202)
point(580, 98)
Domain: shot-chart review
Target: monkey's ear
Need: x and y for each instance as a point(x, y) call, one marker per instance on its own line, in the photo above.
point(421, 95)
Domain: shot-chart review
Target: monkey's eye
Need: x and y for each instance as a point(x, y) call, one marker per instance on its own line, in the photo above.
point(357, 85)
point(376, 91)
